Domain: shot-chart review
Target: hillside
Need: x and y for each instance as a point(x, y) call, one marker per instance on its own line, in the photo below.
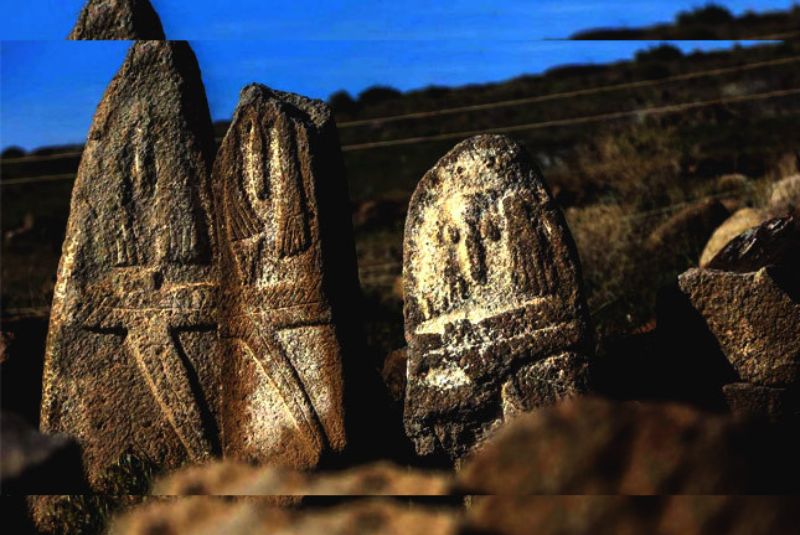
point(709, 22)
point(623, 146)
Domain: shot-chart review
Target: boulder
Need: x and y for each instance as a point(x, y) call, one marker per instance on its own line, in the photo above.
point(693, 225)
point(209, 515)
point(229, 478)
point(495, 315)
point(740, 221)
point(785, 194)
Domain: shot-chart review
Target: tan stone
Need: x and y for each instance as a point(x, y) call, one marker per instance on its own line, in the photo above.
point(741, 220)
point(130, 366)
point(282, 252)
point(495, 317)
point(785, 194)
point(117, 19)
point(202, 515)
point(229, 478)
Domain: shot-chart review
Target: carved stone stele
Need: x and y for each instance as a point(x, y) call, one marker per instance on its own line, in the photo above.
point(495, 317)
point(130, 361)
point(282, 368)
point(117, 19)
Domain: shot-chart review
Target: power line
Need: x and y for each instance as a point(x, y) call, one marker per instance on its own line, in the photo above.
point(672, 108)
point(655, 110)
point(32, 179)
point(498, 104)
point(570, 94)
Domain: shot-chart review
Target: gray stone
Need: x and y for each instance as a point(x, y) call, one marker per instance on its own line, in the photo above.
point(117, 19)
point(495, 317)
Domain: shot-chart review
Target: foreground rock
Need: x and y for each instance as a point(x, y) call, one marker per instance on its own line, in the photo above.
point(208, 515)
point(286, 245)
point(592, 446)
point(666, 515)
point(495, 317)
point(130, 360)
point(235, 479)
point(740, 221)
point(117, 19)
point(36, 463)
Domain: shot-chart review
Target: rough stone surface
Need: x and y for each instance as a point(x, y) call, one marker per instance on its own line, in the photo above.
point(740, 221)
point(693, 224)
point(117, 19)
point(198, 515)
point(495, 317)
point(631, 515)
point(273, 176)
point(236, 479)
point(775, 242)
point(773, 404)
point(32, 462)
point(754, 319)
point(130, 360)
point(594, 446)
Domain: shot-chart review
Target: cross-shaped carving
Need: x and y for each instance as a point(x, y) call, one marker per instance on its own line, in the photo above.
point(149, 313)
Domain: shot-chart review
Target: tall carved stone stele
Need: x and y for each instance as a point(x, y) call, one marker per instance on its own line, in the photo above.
point(283, 358)
point(495, 317)
point(130, 362)
point(117, 19)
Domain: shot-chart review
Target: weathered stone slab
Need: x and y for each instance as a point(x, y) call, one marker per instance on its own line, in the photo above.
point(117, 19)
point(495, 316)
point(754, 319)
point(130, 366)
point(283, 361)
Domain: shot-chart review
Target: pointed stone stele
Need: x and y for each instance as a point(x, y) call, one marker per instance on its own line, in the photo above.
point(273, 178)
point(495, 317)
point(130, 361)
point(117, 19)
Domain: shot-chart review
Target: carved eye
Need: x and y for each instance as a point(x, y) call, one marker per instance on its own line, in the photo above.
point(453, 234)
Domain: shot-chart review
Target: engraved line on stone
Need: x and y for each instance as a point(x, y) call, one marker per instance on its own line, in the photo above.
point(473, 315)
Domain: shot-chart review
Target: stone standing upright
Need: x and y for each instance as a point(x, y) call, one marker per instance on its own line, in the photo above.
point(495, 317)
point(273, 178)
point(130, 365)
point(117, 19)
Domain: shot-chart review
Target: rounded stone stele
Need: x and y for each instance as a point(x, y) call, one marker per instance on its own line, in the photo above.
point(495, 316)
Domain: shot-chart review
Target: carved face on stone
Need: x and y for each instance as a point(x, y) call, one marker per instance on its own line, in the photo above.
point(269, 199)
point(481, 230)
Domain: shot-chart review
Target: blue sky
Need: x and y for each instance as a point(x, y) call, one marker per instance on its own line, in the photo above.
point(368, 19)
point(49, 89)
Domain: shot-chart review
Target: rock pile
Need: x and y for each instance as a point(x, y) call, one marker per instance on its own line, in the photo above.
point(749, 297)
